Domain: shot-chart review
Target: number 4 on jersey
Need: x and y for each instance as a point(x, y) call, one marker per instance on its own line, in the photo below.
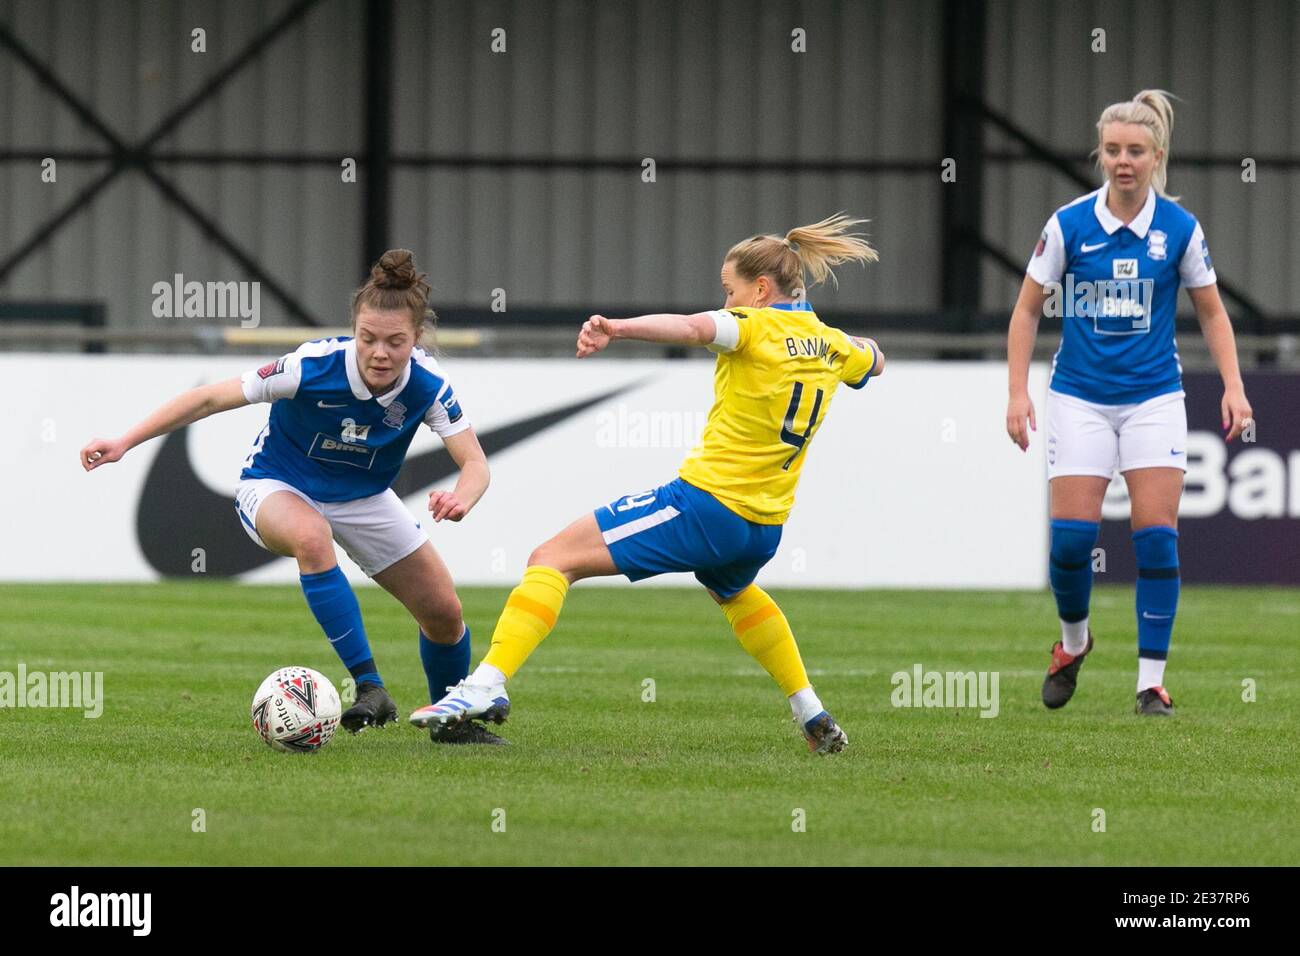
point(788, 434)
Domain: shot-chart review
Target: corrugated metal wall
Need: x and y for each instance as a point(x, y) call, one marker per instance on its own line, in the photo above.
point(667, 80)
point(679, 80)
point(620, 79)
point(1233, 67)
point(132, 63)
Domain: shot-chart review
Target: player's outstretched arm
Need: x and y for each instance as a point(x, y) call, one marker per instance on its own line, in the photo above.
point(1217, 329)
point(878, 361)
point(182, 410)
point(1020, 350)
point(468, 455)
point(665, 328)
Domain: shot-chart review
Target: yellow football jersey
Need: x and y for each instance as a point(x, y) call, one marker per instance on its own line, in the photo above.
point(777, 370)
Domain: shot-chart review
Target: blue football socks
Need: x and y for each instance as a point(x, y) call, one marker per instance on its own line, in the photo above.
point(336, 609)
point(1157, 599)
point(444, 664)
point(1070, 571)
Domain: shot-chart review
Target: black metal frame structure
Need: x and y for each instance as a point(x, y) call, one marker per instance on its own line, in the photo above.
point(138, 156)
point(965, 117)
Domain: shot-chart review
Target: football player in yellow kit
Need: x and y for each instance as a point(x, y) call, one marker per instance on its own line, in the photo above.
point(777, 370)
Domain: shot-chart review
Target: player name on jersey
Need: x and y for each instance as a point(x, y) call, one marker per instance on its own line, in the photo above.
point(816, 347)
point(777, 371)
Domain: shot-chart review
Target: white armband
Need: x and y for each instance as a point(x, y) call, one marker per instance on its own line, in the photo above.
point(727, 331)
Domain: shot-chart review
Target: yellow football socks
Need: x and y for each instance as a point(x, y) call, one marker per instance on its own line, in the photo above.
point(764, 632)
point(529, 615)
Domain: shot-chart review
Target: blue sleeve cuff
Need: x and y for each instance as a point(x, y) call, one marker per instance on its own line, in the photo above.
point(875, 360)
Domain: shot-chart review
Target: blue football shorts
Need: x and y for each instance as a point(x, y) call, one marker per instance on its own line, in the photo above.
point(678, 527)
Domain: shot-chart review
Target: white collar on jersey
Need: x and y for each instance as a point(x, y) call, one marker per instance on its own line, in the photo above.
point(359, 387)
point(1111, 223)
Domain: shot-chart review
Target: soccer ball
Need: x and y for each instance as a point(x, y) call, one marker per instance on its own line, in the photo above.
point(296, 710)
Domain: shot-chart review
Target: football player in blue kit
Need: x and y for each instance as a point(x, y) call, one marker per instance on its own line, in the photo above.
point(343, 413)
point(1111, 263)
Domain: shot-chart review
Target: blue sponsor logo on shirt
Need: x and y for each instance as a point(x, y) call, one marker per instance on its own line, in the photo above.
point(1115, 306)
point(325, 448)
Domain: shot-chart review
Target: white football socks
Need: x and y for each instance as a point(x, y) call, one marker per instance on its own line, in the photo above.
point(804, 705)
point(1151, 673)
point(485, 675)
point(1074, 636)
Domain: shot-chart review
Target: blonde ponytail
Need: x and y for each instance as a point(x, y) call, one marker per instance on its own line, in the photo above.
point(815, 249)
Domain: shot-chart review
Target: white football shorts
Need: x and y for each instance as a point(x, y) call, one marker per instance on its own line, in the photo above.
point(376, 532)
point(1084, 438)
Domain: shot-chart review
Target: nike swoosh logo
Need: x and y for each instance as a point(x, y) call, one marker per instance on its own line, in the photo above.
point(327, 405)
point(1173, 452)
point(177, 512)
point(1156, 617)
point(335, 640)
point(1087, 248)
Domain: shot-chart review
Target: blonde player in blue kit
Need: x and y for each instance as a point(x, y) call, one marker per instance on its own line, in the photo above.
point(1114, 260)
point(343, 413)
point(777, 370)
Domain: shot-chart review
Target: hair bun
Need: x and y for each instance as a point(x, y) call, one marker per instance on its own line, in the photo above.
point(395, 270)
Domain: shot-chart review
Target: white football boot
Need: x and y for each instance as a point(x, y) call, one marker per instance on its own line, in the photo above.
point(466, 701)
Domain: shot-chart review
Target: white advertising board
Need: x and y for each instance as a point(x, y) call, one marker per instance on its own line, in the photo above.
point(911, 482)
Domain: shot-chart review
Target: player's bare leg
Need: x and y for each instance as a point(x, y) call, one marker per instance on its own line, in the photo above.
point(1078, 497)
point(288, 525)
point(292, 528)
point(423, 585)
point(1154, 493)
point(577, 552)
point(1076, 513)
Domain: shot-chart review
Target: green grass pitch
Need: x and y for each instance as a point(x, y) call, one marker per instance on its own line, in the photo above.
point(711, 772)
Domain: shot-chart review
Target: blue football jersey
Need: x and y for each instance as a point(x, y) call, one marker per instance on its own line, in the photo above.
point(1116, 288)
point(327, 435)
